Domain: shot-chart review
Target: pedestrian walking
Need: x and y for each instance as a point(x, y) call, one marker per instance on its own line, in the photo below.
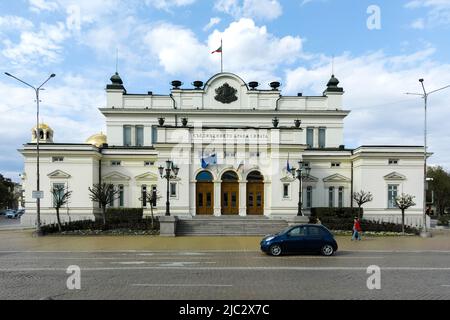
point(356, 230)
point(318, 221)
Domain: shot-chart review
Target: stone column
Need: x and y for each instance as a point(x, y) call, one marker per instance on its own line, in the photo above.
point(242, 198)
point(217, 198)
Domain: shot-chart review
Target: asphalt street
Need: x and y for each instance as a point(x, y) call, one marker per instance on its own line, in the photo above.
point(218, 275)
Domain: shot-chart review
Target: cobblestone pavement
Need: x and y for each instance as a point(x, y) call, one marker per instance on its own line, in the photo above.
point(249, 275)
point(146, 267)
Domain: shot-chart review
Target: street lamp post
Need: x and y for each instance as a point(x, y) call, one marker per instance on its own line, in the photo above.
point(38, 200)
point(425, 95)
point(301, 173)
point(170, 167)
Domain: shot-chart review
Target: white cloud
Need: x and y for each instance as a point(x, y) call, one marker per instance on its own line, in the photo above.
point(212, 22)
point(43, 5)
point(14, 23)
point(438, 13)
point(42, 46)
point(168, 4)
point(255, 9)
point(375, 85)
point(249, 50)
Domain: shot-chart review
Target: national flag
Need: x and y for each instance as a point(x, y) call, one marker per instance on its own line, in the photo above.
point(288, 166)
point(218, 50)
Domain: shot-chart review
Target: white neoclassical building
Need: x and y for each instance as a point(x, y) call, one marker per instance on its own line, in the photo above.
point(234, 145)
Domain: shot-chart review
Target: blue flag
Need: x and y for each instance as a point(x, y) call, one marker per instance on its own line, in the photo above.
point(211, 160)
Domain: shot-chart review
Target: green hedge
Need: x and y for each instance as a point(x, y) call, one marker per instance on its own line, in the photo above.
point(121, 215)
point(346, 224)
point(138, 225)
point(335, 212)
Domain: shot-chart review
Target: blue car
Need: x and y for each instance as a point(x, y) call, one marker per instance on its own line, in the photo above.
point(307, 238)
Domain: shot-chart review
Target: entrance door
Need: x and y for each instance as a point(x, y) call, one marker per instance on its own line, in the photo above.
point(255, 194)
point(230, 193)
point(204, 199)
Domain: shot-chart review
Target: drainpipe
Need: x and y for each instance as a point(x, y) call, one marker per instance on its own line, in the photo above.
point(351, 184)
point(276, 103)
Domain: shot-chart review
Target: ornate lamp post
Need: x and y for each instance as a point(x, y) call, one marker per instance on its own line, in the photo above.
point(170, 167)
point(301, 173)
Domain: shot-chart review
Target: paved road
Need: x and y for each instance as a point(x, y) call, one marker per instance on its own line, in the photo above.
point(223, 275)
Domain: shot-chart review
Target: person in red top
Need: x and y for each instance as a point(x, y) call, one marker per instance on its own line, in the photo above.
point(356, 230)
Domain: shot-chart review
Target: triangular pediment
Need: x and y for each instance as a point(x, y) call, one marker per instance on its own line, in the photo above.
point(148, 176)
point(394, 176)
point(59, 174)
point(116, 176)
point(287, 179)
point(310, 179)
point(336, 178)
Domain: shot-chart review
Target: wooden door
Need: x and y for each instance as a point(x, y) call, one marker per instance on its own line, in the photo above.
point(255, 198)
point(205, 198)
point(230, 198)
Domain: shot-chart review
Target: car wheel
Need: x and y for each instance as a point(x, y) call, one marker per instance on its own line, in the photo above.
point(275, 250)
point(327, 250)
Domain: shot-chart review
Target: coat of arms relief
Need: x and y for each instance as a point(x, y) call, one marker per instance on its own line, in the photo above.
point(226, 94)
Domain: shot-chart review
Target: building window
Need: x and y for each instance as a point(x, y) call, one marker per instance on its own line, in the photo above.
point(149, 163)
point(173, 189)
point(57, 159)
point(154, 134)
point(154, 196)
point(393, 161)
point(121, 196)
point(286, 190)
point(392, 194)
point(144, 195)
point(341, 197)
point(116, 163)
point(322, 137)
point(111, 196)
point(310, 137)
point(331, 197)
point(59, 192)
point(309, 197)
point(335, 164)
point(139, 136)
point(127, 136)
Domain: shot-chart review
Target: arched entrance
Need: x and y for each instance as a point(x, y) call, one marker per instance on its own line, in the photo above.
point(230, 193)
point(255, 193)
point(204, 200)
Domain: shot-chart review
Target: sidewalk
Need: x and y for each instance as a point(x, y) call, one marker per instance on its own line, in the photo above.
point(23, 240)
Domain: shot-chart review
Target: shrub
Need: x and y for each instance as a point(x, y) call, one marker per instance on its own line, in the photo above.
point(334, 212)
point(443, 221)
point(137, 225)
point(346, 224)
point(115, 215)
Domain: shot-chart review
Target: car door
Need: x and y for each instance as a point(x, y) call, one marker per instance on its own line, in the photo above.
point(314, 240)
point(295, 240)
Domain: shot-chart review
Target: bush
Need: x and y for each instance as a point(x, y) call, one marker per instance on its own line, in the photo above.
point(346, 224)
point(443, 221)
point(138, 225)
point(116, 215)
point(335, 212)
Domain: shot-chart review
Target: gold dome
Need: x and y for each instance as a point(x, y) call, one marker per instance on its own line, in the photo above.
point(43, 126)
point(97, 140)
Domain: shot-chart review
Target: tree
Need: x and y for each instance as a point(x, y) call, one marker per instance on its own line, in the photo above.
point(152, 198)
point(360, 198)
point(7, 195)
point(61, 197)
point(103, 194)
point(440, 186)
point(403, 202)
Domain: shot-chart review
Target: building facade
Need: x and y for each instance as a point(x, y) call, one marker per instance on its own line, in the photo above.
point(235, 146)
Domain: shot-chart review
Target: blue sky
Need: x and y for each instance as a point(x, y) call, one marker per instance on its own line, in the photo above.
point(264, 40)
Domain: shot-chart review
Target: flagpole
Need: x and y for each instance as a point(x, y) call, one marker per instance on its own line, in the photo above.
point(221, 56)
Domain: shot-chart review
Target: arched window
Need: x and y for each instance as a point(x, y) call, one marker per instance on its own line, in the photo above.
point(255, 176)
point(204, 176)
point(230, 176)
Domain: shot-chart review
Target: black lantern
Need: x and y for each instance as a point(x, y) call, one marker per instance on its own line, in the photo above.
point(253, 85)
point(166, 173)
point(176, 84)
point(275, 85)
point(198, 84)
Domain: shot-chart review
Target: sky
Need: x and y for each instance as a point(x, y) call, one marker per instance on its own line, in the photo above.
point(380, 49)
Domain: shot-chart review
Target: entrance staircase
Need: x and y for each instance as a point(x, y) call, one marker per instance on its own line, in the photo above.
point(229, 226)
